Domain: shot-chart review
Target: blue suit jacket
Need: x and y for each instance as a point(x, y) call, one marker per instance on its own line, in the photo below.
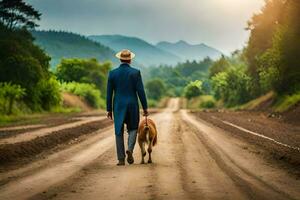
point(124, 86)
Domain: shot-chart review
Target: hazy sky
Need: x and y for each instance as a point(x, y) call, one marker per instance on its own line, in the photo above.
point(218, 23)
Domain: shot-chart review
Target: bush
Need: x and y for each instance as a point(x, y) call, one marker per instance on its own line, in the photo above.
point(208, 104)
point(156, 89)
point(84, 71)
point(49, 95)
point(152, 103)
point(286, 102)
point(9, 93)
point(88, 92)
point(219, 85)
point(193, 89)
point(232, 86)
point(202, 101)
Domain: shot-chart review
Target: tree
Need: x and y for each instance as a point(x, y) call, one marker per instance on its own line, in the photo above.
point(84, 71)
point(287, 42)
point(18, 14)
point(22, 62)
point(155, 89)
point(193, 89)
point(262, 27)
point(219, 66)
point(279, 65)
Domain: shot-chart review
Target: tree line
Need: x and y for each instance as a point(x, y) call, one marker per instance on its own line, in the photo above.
point(26, 83)
point(269, 62)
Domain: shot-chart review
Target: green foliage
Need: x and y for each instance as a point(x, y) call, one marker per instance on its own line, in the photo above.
point(219, 85)
point(84, 71)
point(193, 89)
point(152, 103)
point(208, 104)
point(219, 66)
point(22, 62)
point(202, 101)
point(268, 71)
point(285, 51)
point(18, 14)
point(272, 57)
point(48, 94)
point(262, 27)
point(286, 102)
point(232, 86)
point(9, 94)
point(177, 77)
point(273, 50)
point(85, 90)
point(155, 89)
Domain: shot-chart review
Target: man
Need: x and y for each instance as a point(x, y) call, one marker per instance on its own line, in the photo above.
point(124, 87)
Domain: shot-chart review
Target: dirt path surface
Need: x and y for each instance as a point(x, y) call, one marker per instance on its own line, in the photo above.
point(193, 160)
point(26, 136)
point(282, 140)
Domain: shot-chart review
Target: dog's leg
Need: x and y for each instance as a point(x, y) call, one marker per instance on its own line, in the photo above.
point(150, 151)
point(143, 151)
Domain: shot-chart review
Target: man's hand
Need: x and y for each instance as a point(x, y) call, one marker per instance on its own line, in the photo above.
point(109, 115)
point(145, 113)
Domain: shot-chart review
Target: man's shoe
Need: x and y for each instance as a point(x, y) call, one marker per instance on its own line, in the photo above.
point(130, 159)
point(121, 162)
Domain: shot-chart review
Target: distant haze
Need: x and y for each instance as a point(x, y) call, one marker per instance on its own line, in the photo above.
point(217, 23)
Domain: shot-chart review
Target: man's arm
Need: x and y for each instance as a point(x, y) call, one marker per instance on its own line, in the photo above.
point(109, 95)
point(141, 93)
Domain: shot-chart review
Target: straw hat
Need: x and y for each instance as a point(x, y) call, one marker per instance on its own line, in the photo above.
point(125, 55)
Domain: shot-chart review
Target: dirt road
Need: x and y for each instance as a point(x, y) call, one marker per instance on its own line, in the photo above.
point(193, 160)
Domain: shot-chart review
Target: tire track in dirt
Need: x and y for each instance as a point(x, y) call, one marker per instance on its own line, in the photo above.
point(27, 136)
point(43, 179)
point(25, 152)
point(191, 161)
point(250, 183)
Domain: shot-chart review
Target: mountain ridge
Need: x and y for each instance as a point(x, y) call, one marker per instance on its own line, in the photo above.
point(61, 44)
point(147, 53)
point(188, 51)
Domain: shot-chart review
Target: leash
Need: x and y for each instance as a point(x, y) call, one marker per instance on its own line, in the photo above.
point(146, 120)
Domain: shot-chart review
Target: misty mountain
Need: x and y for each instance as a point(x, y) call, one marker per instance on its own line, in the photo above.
point(188, 51)
point(60, 45)
point(146, 53)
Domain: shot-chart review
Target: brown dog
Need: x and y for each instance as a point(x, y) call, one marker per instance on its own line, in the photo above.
point(147, 133)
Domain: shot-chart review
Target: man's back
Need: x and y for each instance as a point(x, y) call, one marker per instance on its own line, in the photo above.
point(125, 86)
point(124, 81)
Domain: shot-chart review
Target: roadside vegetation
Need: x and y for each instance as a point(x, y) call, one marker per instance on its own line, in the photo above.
point(269, 64)
point(27, 85)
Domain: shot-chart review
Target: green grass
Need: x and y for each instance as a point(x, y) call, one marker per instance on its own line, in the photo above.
point(255, 103)
point(20, 118)
point(34, 118)
point(286, 102)
point(162, 103)
point(66, 110)
point(282, 103)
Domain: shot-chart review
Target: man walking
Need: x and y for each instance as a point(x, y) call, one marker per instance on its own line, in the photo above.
point(124, 87)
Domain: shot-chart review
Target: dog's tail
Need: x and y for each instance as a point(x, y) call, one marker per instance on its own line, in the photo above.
point(155, 140)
